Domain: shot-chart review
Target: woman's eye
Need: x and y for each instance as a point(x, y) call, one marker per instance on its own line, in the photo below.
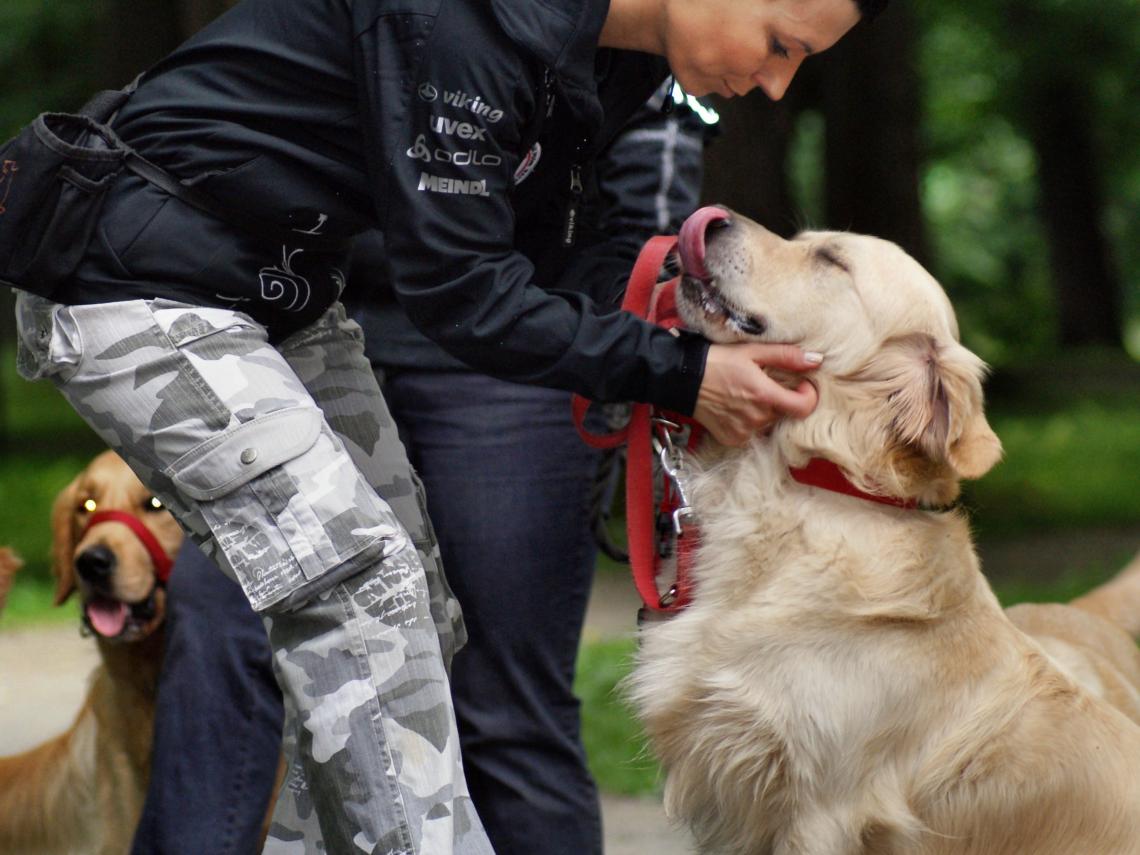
point(779, 49)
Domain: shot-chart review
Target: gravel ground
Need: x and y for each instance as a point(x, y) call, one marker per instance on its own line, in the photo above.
point(43, 677)
point(43, 671)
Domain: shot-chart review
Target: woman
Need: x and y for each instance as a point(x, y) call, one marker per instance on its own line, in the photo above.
point(221, 366)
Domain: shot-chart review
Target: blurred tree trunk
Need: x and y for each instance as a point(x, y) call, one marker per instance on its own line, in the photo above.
point(868, 90)
point(1086, 286)
point(745, 166)
point(871, 96)
point(1051, 101)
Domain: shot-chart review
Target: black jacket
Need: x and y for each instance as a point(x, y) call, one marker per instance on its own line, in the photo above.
point(416, 116)
point(648, 179)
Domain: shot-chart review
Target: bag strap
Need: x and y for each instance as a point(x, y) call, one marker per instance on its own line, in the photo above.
point(103, 106)
point(166, 182)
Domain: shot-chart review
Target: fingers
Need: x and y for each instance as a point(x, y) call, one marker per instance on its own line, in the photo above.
point(737, 399)
point(786, 356)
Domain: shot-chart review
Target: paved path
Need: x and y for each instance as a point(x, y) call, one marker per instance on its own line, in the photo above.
point(43, 678)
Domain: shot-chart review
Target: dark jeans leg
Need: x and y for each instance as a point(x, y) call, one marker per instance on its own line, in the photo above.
point(217, 735)
point(508, 485)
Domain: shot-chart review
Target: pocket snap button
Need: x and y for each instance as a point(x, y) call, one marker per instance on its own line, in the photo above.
point(249, 455)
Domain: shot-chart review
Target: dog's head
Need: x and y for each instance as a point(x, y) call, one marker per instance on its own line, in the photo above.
point(900, 406)
point(104, 559)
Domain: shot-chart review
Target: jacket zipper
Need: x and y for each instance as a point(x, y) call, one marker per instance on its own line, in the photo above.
point(570, 227)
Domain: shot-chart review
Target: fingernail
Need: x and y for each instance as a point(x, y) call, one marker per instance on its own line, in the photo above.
point(813, 356)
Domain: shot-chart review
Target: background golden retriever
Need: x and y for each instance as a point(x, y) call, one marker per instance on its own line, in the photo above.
point(82, 792)
point(845, 681)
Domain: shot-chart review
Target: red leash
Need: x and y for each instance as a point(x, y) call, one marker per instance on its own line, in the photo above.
point(652, 532)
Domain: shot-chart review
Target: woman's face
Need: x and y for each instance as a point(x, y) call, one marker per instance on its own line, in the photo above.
point(731, 46)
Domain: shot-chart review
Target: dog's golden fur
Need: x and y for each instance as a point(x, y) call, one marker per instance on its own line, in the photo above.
point(845, 681)
point(10, 563)
point(82, 792)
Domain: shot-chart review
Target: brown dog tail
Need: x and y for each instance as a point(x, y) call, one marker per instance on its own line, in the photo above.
point(9, 564)
point(1118, 599)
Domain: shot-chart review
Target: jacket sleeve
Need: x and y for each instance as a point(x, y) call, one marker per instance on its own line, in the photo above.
point(446, 214)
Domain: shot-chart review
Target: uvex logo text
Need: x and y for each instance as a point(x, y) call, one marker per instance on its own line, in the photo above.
point(454, 128)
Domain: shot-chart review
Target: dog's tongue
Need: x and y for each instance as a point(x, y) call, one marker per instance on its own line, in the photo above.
point(691, 240)
point(107, 617)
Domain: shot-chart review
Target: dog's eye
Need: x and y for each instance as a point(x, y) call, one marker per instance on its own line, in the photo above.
point(828, 255)
point(153, 504)
point(88, 506)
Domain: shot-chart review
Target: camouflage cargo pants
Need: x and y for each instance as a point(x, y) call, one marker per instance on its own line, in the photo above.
point(274, 460)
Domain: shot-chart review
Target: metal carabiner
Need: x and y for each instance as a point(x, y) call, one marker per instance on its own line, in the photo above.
point(673, 464)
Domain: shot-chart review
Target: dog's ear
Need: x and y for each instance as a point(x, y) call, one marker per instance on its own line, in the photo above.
point(933, 399)
point(10, 563)
point(63, 541)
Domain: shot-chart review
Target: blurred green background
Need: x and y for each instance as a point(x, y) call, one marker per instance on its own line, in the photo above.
point(995, 141)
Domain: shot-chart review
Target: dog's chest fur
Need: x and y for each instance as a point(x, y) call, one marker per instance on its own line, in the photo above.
point(828, 685)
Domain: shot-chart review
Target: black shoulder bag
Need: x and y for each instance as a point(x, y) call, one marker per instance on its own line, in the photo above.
point(54, 176)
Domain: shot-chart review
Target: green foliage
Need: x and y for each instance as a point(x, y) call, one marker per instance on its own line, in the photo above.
point(980, 62)
point(35, 412)
point(39, 62)
point(1069, 469)
point(618, 755)
point(28, 486)
point(29, 604)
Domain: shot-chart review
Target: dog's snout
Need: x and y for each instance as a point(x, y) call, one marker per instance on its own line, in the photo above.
point(717, 229)
point(96, 564)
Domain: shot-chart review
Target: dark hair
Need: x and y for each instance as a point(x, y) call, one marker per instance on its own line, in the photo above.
point(868, 9)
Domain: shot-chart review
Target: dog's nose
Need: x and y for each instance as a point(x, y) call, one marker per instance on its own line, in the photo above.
point(96, 564)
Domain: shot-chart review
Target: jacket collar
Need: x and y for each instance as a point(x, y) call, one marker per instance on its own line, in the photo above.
point(563, 35)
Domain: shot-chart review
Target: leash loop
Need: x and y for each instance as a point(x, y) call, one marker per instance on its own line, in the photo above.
point(657, 530)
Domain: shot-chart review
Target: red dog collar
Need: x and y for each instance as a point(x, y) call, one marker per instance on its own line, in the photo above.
point(162, 561)
point(828, 476)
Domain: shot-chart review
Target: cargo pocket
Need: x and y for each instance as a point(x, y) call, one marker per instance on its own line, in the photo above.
point(290, 512)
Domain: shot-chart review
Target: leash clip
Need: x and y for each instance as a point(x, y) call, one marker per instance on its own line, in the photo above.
point(672, 459)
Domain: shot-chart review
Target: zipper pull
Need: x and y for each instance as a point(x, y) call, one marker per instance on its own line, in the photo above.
point(570, 227)
point(548, 91)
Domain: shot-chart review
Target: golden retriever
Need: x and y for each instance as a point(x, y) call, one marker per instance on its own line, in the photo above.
point(844, 680)
point(83, 791)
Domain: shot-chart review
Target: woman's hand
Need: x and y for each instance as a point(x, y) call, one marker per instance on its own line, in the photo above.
point(737, 399)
